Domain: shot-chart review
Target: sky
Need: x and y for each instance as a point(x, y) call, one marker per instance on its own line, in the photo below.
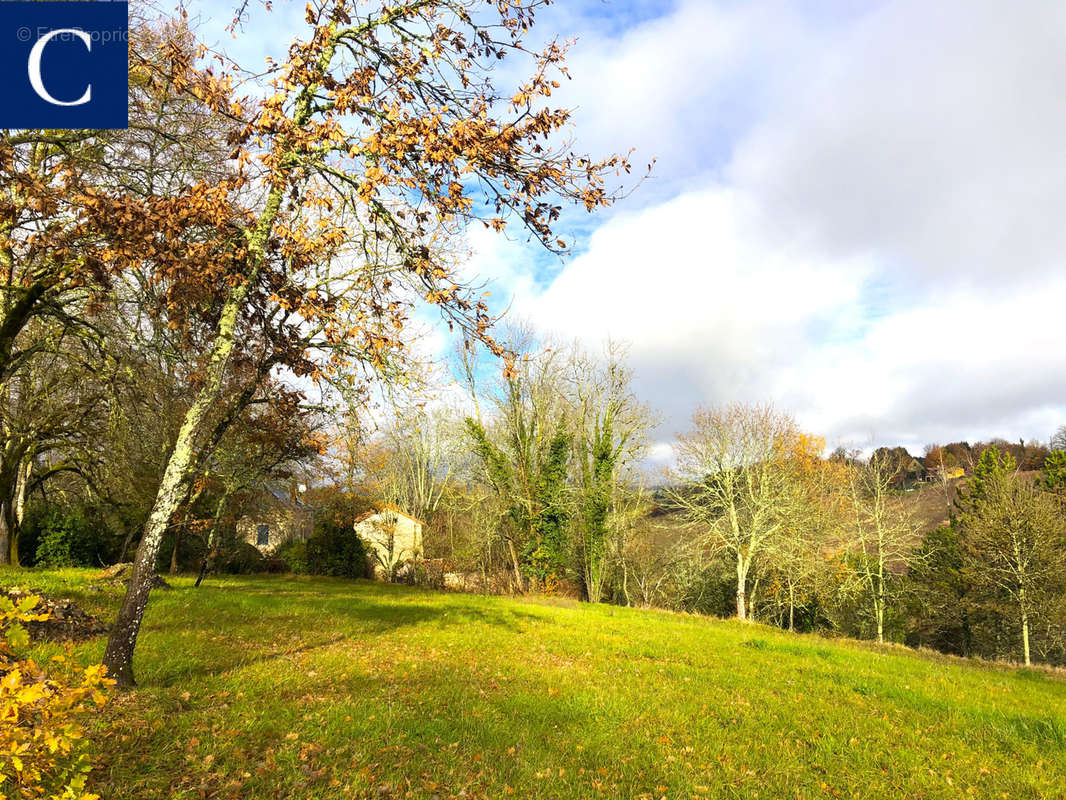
point(855, 211)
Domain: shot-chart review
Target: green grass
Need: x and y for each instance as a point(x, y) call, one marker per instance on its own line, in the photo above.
point(313, 688)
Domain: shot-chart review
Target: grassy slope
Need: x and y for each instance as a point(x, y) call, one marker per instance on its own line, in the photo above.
point(311, 688)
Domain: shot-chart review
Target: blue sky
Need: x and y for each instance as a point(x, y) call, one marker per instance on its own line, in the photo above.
point(855, 212)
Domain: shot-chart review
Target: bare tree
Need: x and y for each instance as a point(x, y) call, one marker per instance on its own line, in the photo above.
point(884, 533)
point(734, 483)
point(421, 450)
point(1058, 439)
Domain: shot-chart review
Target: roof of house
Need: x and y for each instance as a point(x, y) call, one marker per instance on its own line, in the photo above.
point(386, 507)
point(285, 498)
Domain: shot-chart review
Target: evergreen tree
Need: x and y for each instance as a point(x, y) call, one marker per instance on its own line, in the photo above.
point(1054, 473)
point(992, 467)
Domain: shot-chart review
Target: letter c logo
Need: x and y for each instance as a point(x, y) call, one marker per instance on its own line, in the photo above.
point(34, 67)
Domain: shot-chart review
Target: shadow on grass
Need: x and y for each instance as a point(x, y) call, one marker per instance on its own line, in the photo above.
point(443, 715)
point(190, 633)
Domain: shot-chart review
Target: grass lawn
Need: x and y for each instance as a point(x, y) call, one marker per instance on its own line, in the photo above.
point(281, 687)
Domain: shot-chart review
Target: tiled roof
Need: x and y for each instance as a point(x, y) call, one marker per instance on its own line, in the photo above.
point(386, 507)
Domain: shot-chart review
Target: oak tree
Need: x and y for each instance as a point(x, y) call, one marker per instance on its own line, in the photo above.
point(381, 135)
point(734, 483)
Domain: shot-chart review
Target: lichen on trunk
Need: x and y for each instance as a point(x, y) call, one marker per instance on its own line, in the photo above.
point(118, 658)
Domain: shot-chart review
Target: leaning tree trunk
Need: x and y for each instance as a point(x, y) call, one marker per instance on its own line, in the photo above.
point(517, 567)
point(211, 552)
point(118, 658)
point(126, 544)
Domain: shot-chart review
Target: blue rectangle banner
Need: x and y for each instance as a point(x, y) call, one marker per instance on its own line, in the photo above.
point(64, 64)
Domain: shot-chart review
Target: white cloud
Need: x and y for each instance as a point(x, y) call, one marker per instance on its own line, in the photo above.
point(717, 312)
point(676, 87)
point(878, 249)
point(712, 312)
point(507, 264)
point(856, 212)
point(931, 133)
point(963, 365)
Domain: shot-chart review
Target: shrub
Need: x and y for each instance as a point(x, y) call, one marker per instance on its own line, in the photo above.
point(294, 554)
point(335, 550)
point(192, 547)
point(43, 751)
point(429, 573)
point(243, 559)
point(64, 538)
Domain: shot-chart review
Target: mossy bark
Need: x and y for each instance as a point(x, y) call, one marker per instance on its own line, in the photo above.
point(118, 658)
point(742, 583)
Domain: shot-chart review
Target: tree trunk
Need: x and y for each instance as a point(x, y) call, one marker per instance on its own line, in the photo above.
point(1025, 629)
point(8, 471)
point(12, 511)
point(791, 609)
point(212, 543)
point(742, 577)
point(5, 534)
point(126, 544)
point(208, 562)
point(879, 603)
point(174, 552)
point(118, 658)
point(22, 485)
point(1025, 639)
point(517, 568)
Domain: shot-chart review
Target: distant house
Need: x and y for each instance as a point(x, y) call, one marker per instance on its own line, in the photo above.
point(393, 539)
point(278, 519)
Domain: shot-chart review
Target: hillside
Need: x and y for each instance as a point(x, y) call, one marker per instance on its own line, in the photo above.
point(314, 688)
point(929, 504)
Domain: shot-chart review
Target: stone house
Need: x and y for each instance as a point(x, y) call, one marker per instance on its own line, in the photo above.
point(393, 540)
point(278, 519)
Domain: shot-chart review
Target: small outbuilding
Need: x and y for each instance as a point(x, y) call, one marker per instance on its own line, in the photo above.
point(276, 520)
point(393, 539)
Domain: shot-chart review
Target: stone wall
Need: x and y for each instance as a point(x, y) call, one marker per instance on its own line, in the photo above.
point(391, 538)
point(280, 525)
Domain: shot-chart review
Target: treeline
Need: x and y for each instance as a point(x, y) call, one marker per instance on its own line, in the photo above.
point(941, 463)
point(539, 483)
point(536, 479)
